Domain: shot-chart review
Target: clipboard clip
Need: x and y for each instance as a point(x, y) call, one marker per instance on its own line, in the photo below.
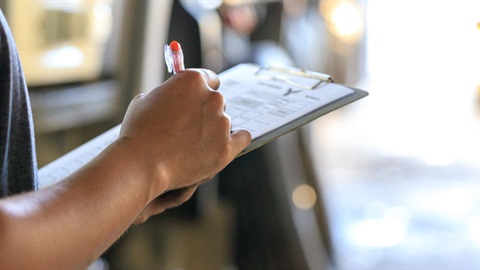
point(296, 77)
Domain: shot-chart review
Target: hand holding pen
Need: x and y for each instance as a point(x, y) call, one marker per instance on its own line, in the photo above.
point(179, 134)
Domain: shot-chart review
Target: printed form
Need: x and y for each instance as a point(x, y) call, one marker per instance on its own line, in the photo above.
point(261, 103)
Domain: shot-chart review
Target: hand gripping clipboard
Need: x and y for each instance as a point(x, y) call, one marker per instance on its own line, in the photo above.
point(269, 102)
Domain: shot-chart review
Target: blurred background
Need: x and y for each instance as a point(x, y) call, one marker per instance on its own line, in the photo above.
point(389, 182)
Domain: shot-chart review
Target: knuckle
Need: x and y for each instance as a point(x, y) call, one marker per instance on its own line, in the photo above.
point(225, 122)
point(194, 75)
point(217, 99)
point(138, 96)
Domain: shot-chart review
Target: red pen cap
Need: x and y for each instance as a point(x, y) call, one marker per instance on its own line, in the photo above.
point(175, 46)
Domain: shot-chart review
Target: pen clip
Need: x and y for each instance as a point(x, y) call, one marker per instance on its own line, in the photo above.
point(168, 58)
point(296, 77)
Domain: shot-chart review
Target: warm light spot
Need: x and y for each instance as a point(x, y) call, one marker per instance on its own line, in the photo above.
point(304, 197)
point(344, 19)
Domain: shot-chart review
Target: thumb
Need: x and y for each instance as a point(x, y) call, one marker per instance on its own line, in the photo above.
point(210, 77)
point(240, 140)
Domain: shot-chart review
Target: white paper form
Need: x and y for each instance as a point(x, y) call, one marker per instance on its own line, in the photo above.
point(265, 104)
point(74, 160)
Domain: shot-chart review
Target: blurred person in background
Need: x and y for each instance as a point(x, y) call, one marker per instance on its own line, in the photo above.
point(172, 140)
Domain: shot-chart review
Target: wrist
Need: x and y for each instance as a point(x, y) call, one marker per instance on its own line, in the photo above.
point(142, 166)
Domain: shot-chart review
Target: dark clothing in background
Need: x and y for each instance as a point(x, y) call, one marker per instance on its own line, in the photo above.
point(18, 165)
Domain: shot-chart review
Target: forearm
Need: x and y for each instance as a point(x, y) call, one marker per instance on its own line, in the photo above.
point(178, 137)
point(73, 222)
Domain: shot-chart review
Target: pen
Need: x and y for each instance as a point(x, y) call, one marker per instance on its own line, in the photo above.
point(174, 57)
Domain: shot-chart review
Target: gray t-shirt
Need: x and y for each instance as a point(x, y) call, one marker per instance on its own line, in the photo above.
point(18, 165)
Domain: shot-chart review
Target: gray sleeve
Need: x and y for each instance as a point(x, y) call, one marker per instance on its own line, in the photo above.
point(18, 166)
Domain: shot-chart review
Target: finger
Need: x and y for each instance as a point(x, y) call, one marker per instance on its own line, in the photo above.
point(172, 199)
point(165, 201)
point(139, 96)
point(240, 139)
point(210, 77)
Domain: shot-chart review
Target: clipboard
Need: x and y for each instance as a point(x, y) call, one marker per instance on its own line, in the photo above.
point(280, 99)
point(267, 101)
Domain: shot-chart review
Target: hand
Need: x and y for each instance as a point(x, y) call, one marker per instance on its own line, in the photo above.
point(172, 140)
point(180, 133)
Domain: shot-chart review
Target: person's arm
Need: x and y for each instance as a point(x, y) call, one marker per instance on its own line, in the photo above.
point(172, 139)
